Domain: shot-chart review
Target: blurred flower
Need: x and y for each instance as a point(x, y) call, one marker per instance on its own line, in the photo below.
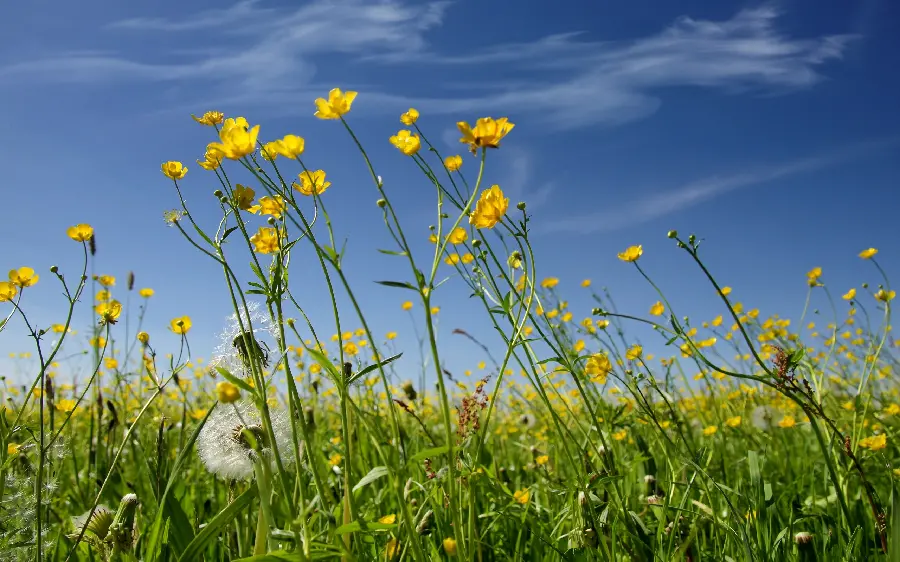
point(522, 496)
point(874, 443)
point(453, 163)
point(632, 253)
point(885, 296)
point(450, 546)
point(849, 295)
point(227, 392)
point(210, 118)
point(457, 236)
point(80, 232)
point(868, 254)
point(657, 309)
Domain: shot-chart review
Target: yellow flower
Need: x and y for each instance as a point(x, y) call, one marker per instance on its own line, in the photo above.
point(787, 422)
point(237, 140)
point(657, 309)
point(885, 296)
point(338, 104)
point(290, 146)
point(406, 142)
point(66, 405)
point(849, 295)
point(143, 337)
point(522, 496)
point(490, 208)
point(549, 282)
point(453, 163)
point(450, 546)
point(458, 235)
point(109, 311)
point(874, 443)
point(410, 117)
point(335, 459)
point(12, 449)
point(813, 276)
point(23, 277)
point(388, 519)
point(632, 253)
point(111, 363)
point(710, 430)
point(210, 118)
point(726, 291)
point(212, 159)
point(8, 291)
point(227, 392)
point(867, 254)
point(80, 232)
point(634, 352)
point(274, 206)
point(620, 435)
point(146, 293)
point(312, 182)
point(392, 549)
point(487, 132)
point(733, 421)
point(180, 325)
point(243, 197)
point(542, 460)
point(468, 258)
point(892, 410)
point(350, 348)
point(174, 170)
point(265, 241)
point(391, 335)
point(407, 305)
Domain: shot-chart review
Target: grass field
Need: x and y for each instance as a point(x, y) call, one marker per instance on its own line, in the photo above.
point(753, 439)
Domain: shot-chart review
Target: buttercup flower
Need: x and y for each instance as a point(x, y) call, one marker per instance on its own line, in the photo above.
point(143, 337)
point(868, 254)
point(490, 208)
point(406, 142)
point(312, 182)
point(243, 197)
point(453, 163)
point(225, 449)
point(273, 206)
point(486, 133)
point(146, 293)
point(237, 139)
point(109, 311)
point(8, 291)
point(180, 325)
point(210, 118)
point(80, 232)
point(657, 309)
point(227, 393)
point(410, 117)
point(632, 253)
point(265, 241)
point(849, 295)
point(291, 146)
point(211, 160)
point(338, 104)
point(174, 170)
point(23, 277)
point(457, 236)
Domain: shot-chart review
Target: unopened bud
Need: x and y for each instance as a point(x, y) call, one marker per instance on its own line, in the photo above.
point(54, 269)
point(381, 203)
point(672, 234)
point(218, 193)
point(520, 205)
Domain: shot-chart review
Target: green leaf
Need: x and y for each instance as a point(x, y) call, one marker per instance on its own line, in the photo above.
point(399, 284)
point(240, 383)
point(369, 368)
point(227, 232)
point(392, 252)
point(372, 476)
point(894, 541)
point(427, 453)
point(357, 526)
point(194, 550)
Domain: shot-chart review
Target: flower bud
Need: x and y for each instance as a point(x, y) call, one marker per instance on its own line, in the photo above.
point(54, 269)
point(520, 205)
point(381, 203)
point(218, 193)
point(672, 234)
point(476, 243)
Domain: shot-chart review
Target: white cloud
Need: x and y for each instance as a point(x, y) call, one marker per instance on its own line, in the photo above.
point(670, 202)
point(562, 78)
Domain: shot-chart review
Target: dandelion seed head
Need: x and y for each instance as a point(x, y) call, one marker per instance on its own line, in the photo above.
point(226, 354)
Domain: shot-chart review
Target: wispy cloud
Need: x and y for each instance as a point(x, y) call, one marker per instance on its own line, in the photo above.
point(673, 201)
point(571, 82)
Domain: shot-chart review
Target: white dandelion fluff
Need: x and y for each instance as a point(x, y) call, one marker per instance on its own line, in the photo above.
point(225, 450)
point(228, 352)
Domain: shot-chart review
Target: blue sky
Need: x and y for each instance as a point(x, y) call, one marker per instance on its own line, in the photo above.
point(769, 129)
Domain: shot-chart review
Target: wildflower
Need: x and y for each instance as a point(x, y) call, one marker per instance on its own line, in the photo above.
point(227, 392)
point(874, 443)
point(849, 295)
point(66, 405)
point(243, 197)
point(453, 163)
point(174, 170)
point(885, 296)
point(12, 449)
point(406, 142)
point(632, 253)
point(406, 305)
point(549, 282)
point(312, 182)
point(335, 459)
point(634, 352)
point(620, 435)
point(210, 118)
point(80, 232)
point(212, 159)
point(868, 254)
point(726, 291)
point(290, 146)
point(23, 277)
point(733, 421)
point(410, 117)
point(226, 450)
point(657, 309)
point(450, 546)
point(391, 335)
point(457, 236)
point(522, 496)
point(487, 132)
point(392, 549)
point(710, 430)
point(180, 325)
point(274, 206)
point(338, 104)
point(237, 139)
point(787, 422)
point(253, 326)
point(490, 208)
point(109, 312)
point(265, 241)
point(813, 276)
point(143, 337)
point(8, 291)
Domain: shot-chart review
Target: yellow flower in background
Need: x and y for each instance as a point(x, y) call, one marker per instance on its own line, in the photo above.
point(812, 277)
point(406, 305)
point(389, 519)
point(143, 337)
point(146, 293)
point(620, 435)
point(23, 277)
point(265, 241)
point(868, 254)
point(726, 291)
point(710, 430)
point(410, 117)
point(174, 170)
point(632, 253)
point(733, 421)
point(227, 392)
point(487, 132)
point(885, 296)
point(181, 324)
point(586, 283)
point(406, 142)
point(243, 197)
point(312, 182)
point(549, 282)
point(107, 280)
point(453, 163)
point(8, 291)
point(66, 405)
point(12, 449)
point(849, 295)
point(335, 459)
point(80, 232)
point(111, 363)
point(236, 138)
point(457, 236)
point(874, 443)
point(490, 208)
point(787, 422)
point(391, 335)
point(210, 118)
point(99, 341)
point(337, 104)
point(522, 496)
point(392, 549)
point(289, 146)
point(657, 309)
point(634, 352)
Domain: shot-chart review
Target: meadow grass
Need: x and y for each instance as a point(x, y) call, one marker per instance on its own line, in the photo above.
point(758, 439)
